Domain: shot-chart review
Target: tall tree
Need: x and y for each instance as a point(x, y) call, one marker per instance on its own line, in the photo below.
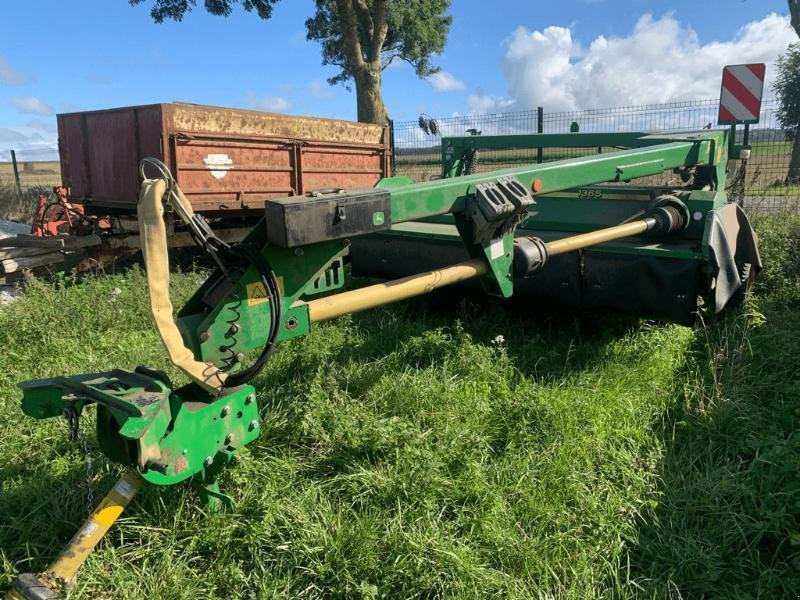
point(361, 37)
point(794, 15)
point(787, 87)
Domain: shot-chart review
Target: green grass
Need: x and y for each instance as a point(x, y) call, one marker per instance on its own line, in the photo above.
point(792, 191)
point(406, 454)
point(772, 148)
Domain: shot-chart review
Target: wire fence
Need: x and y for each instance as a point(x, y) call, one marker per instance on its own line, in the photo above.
point(766, 186)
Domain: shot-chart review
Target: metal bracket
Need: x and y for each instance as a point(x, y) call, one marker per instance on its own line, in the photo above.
point(206, 484)
point(331, 279)
point(168, 435)
point(498, 207)
point(499, 254)
point(29, 586)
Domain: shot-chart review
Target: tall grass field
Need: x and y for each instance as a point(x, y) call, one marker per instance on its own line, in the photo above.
point(31, 173)
point(440, 448)
point(35, 178)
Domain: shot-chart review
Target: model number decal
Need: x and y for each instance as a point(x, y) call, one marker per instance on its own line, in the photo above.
point(590, 193)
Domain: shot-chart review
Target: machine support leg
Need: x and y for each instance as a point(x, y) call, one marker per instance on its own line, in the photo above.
point(206, 484)
point(63, 570)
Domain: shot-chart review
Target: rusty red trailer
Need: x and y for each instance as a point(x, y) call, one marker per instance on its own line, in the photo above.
point(226, 160)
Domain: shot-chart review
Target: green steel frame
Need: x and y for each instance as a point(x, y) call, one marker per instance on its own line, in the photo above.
point(170, 435)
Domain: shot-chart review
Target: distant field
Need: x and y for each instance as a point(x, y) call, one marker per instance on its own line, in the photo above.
point(31, 173)
point(776, 190)
point(773, 148)
point(35, 178)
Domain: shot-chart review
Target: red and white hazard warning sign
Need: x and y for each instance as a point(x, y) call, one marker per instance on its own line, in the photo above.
point(742, 88)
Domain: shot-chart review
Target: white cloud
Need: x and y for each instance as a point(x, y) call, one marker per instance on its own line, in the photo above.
point(481, 103)
point(319, 88)
point(445, 82)
point(268, 103)
point(43, 126)
point(11, 76)
point(660, 61)
point(397, 63)
point(32, 106)
point(35, 141)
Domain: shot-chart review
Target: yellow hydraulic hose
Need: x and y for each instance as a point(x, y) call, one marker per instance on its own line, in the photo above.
point(153, 234)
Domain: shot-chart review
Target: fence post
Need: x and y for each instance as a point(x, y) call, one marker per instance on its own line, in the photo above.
point(746, 144)
point(539, 129)
point(16, 172)
point(392, 165)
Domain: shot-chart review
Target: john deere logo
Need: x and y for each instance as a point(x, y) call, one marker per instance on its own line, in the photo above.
point(378, 218)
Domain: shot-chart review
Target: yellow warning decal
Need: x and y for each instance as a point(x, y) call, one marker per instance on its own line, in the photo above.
point(256, 294)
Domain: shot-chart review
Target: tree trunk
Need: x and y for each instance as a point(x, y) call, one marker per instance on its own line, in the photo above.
point(794, 163)
point(368, 95)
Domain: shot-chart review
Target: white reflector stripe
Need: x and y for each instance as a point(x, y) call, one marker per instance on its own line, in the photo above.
point(748, 79)
point(740, 96)
point(736, 108)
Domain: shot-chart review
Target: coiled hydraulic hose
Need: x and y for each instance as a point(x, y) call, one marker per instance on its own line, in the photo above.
point(251, 254)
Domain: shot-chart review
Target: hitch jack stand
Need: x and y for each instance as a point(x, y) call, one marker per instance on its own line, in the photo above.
point(62, 571)
point(206, 484)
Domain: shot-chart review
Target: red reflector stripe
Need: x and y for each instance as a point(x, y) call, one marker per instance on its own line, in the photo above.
point(759, 70)
point(742, 94)
point(725, 115)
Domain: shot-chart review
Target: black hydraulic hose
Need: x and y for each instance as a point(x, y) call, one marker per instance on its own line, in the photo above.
point(251, 254)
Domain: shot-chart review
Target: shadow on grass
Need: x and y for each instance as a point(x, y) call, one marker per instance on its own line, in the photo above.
point(539, 345)
point(42, 506)
point(728, 517)
point(542, 343)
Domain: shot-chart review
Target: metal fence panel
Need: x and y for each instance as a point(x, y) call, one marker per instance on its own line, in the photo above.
point(766, 188)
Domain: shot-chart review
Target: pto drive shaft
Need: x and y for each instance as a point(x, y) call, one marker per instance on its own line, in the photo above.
point(61, 573)
point(530, 256)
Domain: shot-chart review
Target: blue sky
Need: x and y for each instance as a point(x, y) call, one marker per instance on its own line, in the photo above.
point(58, 56)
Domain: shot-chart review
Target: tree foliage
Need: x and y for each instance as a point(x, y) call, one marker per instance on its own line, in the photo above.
point(177, 9)
point(360, 37)
point(414, 30)
point(787, 87)
point(794, 15)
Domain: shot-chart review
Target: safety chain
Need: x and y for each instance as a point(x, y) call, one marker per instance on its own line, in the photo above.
point(73, 425)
